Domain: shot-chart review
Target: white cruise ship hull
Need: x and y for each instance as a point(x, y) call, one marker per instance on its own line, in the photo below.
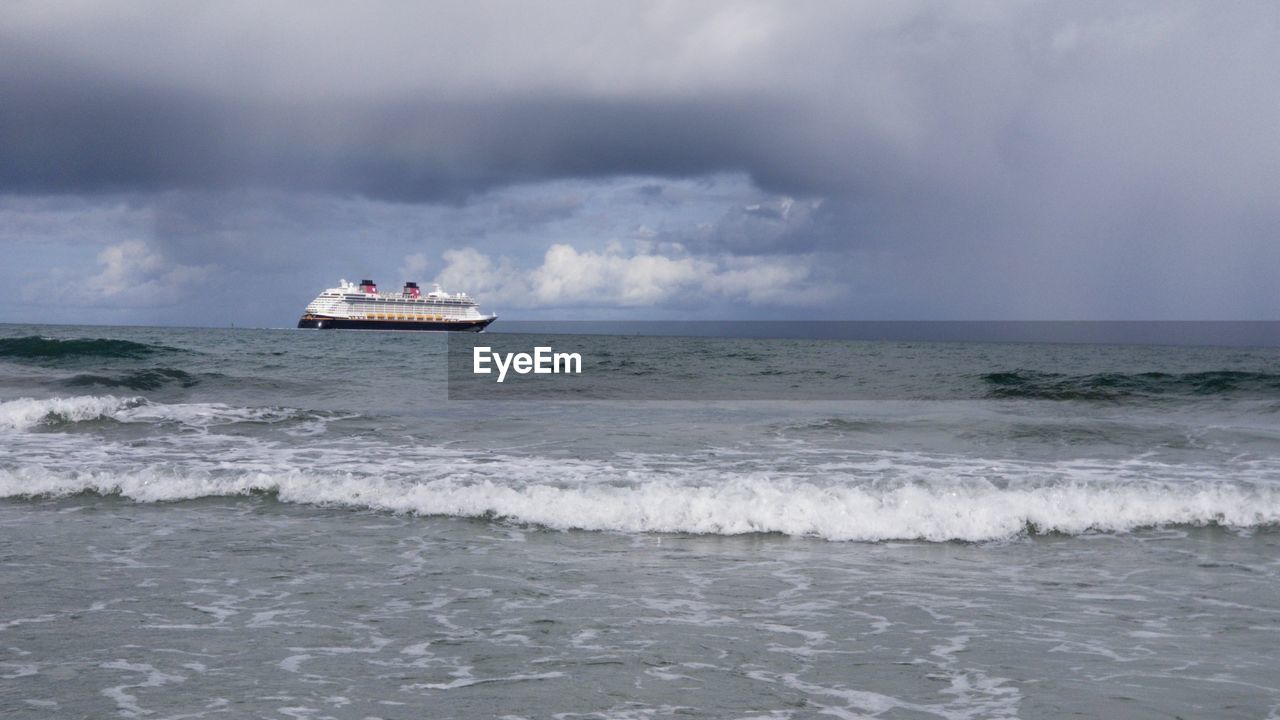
point(322, 322)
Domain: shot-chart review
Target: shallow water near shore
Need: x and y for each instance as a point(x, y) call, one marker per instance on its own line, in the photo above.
point(250, 523)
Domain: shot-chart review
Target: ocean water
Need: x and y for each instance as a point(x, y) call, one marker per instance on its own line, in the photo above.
point(297, 524)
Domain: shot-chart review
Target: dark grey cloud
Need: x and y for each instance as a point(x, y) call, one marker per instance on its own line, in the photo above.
point(77, 119)
point(1050, 157)
point(74, 130)
point(910, 104)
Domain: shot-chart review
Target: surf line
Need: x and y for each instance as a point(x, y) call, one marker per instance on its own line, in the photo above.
point(543, 361)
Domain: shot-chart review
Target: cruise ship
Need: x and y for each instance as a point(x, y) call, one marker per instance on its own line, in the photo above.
point(362, 307)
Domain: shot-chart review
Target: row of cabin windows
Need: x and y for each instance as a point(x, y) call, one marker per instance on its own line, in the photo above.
point(424, 306)
point(362, 298)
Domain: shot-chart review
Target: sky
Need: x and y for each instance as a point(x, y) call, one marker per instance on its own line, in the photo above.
point(219, 163)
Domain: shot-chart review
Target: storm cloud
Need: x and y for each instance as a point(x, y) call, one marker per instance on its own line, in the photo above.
point(1074, 160)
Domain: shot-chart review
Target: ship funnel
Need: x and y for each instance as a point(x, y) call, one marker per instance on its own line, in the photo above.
point(411, 290)
point(368, 286)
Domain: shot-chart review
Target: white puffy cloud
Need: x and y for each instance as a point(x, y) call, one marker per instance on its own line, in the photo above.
point(134, 273)
point(467, 269)
point(569, 276)
point(614, 277)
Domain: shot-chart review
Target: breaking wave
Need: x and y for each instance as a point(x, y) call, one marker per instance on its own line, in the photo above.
point(26, 413)
point(969, 511)
point(841, 495)
point(1118, 386)
point(52, 413)
point(37, 348)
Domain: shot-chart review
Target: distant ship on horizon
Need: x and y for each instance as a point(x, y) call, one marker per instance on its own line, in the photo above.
point(362, 307)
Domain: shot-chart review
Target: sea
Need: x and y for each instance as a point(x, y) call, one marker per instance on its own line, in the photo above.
point(728, 522)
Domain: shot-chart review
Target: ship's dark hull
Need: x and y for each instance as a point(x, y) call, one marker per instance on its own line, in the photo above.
point(332, 323)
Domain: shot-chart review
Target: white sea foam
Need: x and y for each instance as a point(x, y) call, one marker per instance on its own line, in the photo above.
point(26, 413)
point(205, 414)
point(970, 510)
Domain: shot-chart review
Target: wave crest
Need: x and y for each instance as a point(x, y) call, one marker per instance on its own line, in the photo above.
point(37, 348)
point(1116, 386)
point(973, 511)
point(26, 413)
point(148, 379)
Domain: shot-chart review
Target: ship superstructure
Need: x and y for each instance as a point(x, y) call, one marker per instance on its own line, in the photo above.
point(362, 307)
